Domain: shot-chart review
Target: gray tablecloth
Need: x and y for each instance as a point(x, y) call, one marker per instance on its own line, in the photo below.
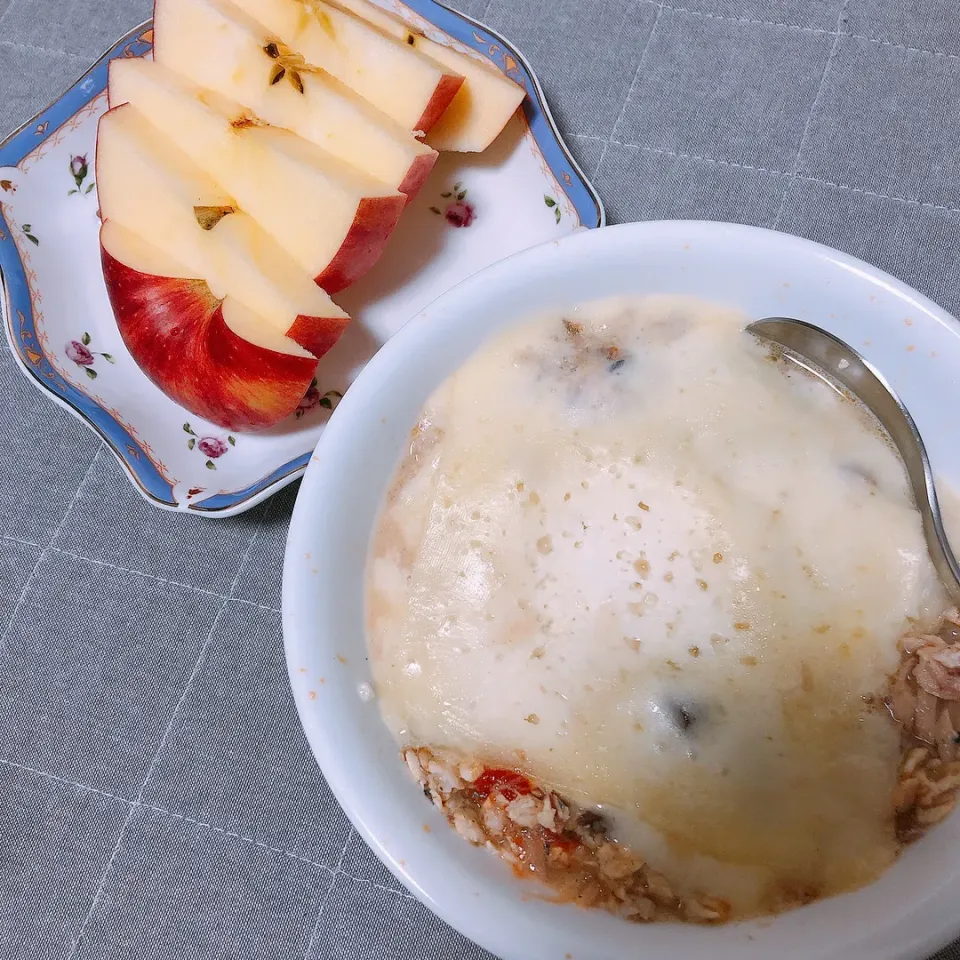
point(157, 797)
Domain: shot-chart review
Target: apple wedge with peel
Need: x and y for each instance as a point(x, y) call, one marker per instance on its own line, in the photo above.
point(333, 220)
point(214, 357)
point(219, 46)
point(210, 308)
point(483, 105)
point(396, 78)
point(151, 188)
point(346, 126)
point(253, 268)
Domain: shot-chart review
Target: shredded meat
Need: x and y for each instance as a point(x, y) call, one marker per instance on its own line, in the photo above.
point(539, 834)
point(938, 670)
point(924, 699)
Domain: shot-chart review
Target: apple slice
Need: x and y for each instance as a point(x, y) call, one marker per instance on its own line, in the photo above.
point(256, 270)
point(219, 46)
point(384, 20)
point(482, 106)
point(142, 179)
point(333, 220)
point(150, 187)
point(214, 357)
point(396, 78)
point(347, 126)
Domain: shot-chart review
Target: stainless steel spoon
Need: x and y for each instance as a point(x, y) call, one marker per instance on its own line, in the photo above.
point(825, 356)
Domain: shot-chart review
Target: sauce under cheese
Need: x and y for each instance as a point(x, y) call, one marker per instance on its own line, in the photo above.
point(639, 560)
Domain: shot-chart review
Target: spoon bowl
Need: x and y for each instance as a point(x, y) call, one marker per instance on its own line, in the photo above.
point(832, 360)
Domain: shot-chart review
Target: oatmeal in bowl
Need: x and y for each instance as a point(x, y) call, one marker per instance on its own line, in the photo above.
point(651, 617)
point(616, 636)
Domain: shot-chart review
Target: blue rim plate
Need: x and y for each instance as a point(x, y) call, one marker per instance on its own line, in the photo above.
point(30, 345)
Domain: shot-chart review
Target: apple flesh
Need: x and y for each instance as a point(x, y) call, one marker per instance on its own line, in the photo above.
point(331, 219)
point(153, 190)
point(483, 105)
point(396, 78)
point(214, 357)
point(219, 46)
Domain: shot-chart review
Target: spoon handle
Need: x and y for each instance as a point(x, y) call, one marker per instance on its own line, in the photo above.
point(836, 361)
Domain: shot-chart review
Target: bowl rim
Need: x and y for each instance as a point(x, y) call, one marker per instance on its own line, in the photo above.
point(359, 807)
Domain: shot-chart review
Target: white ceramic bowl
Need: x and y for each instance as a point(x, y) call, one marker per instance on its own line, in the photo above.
point(915, 907)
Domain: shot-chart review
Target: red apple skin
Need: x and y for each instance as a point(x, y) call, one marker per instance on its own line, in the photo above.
point(418, 172)
point(361, 247)
point(316, 334)
point(174, 330)
point(446, 90)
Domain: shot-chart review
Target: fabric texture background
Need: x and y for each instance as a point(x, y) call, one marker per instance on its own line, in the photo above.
point(157, 796)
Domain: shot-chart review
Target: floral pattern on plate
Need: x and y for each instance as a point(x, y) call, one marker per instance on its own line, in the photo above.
point(79, 168)
point(213, 448)
point(459, 211)
point(312, 398)
point(80, 353)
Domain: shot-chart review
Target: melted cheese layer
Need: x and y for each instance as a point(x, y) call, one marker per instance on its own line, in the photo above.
point(639, 560)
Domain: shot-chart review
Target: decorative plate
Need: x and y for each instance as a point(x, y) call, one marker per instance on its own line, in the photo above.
point(474, 210)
